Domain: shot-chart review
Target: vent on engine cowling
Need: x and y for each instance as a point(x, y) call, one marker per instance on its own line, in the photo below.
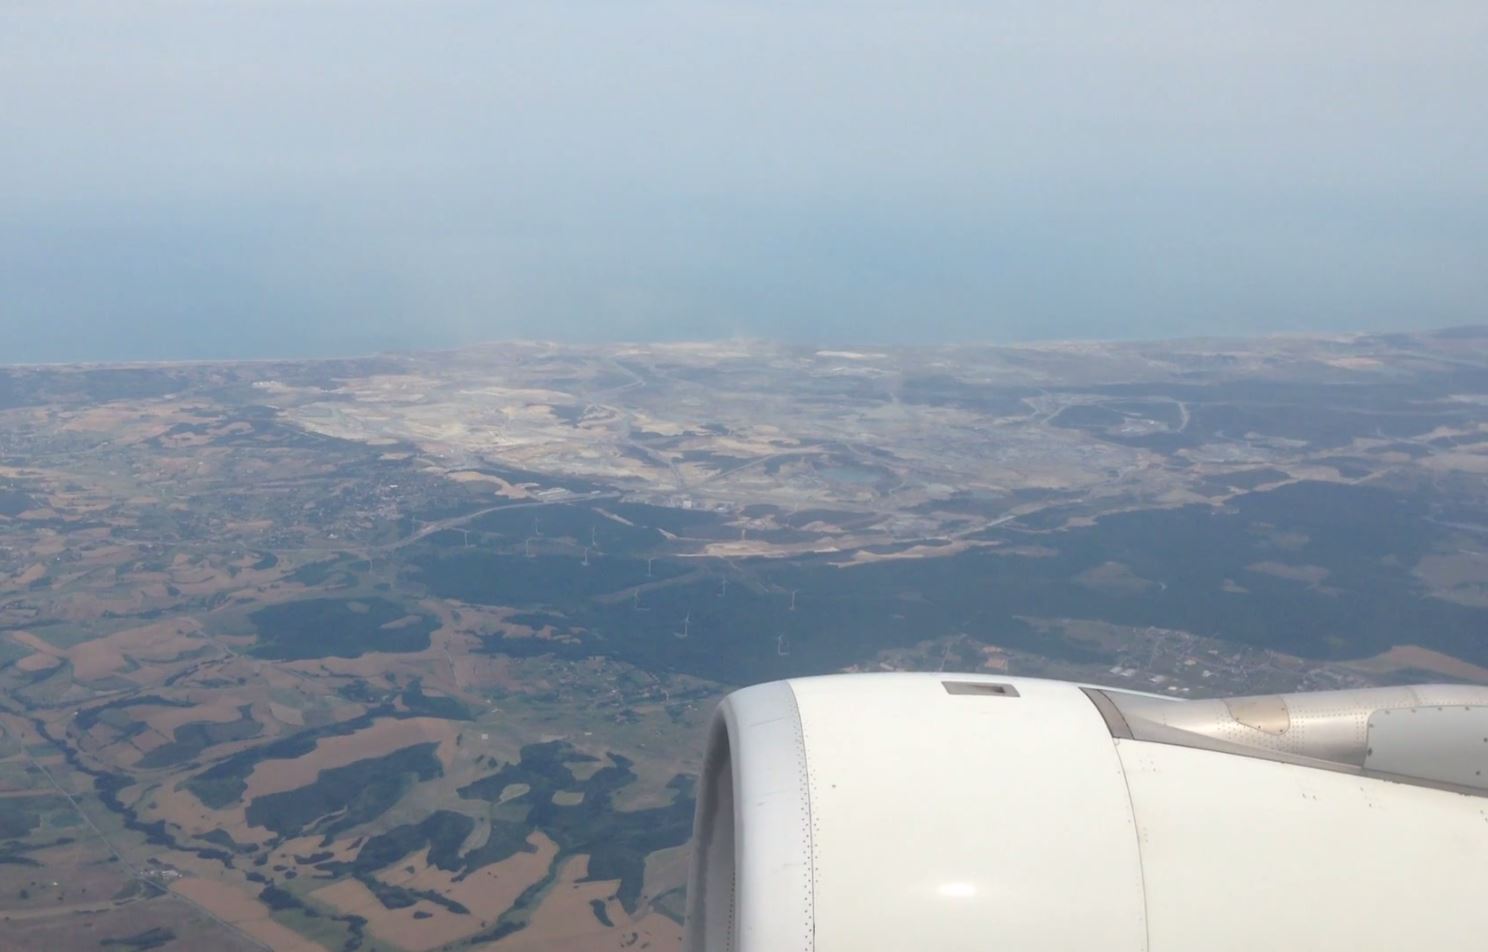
point(979, 688)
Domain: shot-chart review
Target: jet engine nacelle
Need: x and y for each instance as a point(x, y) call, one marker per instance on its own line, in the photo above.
point(956, 812)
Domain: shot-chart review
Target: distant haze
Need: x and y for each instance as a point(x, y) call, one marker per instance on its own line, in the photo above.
point(265, 177)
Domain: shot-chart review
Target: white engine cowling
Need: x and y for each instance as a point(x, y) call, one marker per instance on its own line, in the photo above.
point(958, 812)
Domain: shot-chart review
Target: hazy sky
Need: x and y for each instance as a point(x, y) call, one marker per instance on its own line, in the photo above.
point(263, 177)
